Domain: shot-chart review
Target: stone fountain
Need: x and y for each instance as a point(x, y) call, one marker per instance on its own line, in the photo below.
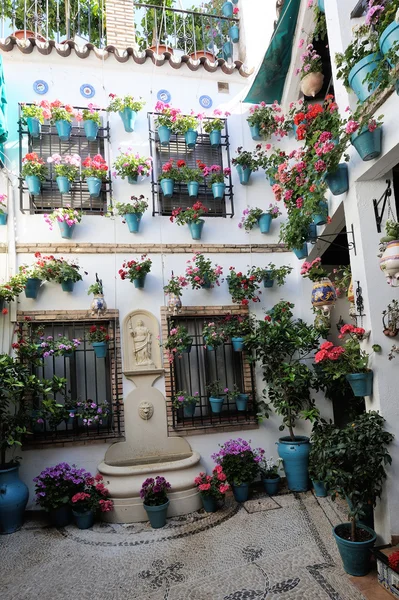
point(147, 451)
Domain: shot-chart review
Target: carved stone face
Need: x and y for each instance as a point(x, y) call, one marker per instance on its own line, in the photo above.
point(146, 410)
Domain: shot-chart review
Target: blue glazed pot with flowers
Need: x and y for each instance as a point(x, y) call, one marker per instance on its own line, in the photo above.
point(94, 184)
point(227, 9)
point(323, 293)
point(167, 186)
point(268, 282)
point(209, 503)
point(320, 4)
point(64, 129)
point(218, 190)
point(189, 410)
point(164, 134)
point(128, 116)
point(271, 485)
point(100, 349)
point(242, 402)
point(192, 188)
point(63, 183)
point(215, 138)
point(338, 181)
point(264, 222)
point(367, 143)
point(320, 218)
point(32, 287)
point(389, 38)
point(34, 127)
point(66, 230)
point(83, 519)
point(238, 344)
point(240, 491)
point(216, 404)
point(191, 138)
point(3, 218)
point(255, 132)
point(359, 72)
point(361, 383)
point(133, 221)
point(67, 285)
point(301, 252)
point(244, 174)
point(34, 184)
point(91, 130)
point(227, 50)
point(234, 34)
point(196, 229)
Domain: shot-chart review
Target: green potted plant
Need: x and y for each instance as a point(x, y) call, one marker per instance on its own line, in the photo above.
point(99, 338)
point(243, 287)
point(214, 334)
point(62, 117)
point(66, 169)
point(34, 171)
point(179, 342)
point(216, 396)
point(201, 273)
point(127, 107)
point(240, 463)
point(187, 402)
point(168, 177)
point(235, 396)
point(131, 212)
point(280, 343)
point(317, 467)
point(214, 126)
point(92, 498)
point(66, 218)
point(271, 274)
point(266, 120)
point(191, 176)
point(212, 488)
point(95, 171)
point(154, 493)
point(294, 232)
point(92, 414)
point(216, 177)
point(269, 468)
point(256, 216)
point(32, 115)
point(61, 271)
point(91, 121)
point(191, 216)
point(132, 166)
point(165, 121)
point(136, 271)
point(237, 327)
point(10, 290)
point(187, 125)
point(246, 162)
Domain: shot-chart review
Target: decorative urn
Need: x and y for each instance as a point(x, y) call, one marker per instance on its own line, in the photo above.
point(323, 294)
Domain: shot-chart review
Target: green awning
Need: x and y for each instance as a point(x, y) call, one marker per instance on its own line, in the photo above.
point(270, 79)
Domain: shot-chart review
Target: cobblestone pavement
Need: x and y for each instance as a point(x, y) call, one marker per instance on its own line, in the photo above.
point(266, 549)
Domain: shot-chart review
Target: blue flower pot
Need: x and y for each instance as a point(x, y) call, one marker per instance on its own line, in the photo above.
point(301, 252)
point(66, 230)
point(218, 190)
point(338, 182)
point(34, 184)
point(209, 503)
point(189, 409)
point(191, 138)
point(234, 33)
point(139, 282)
point(389, 37)
point(215, 137)
point(355, 555)
point(192, 188)
point(132, 179)
point(216, 404)
point(61, 516)
point(255, 132)
point(243, 174)
point(241, 492)
point(272, 181)
point(207, 284)
point(238, 344)
point(68, 285)
point(164, 134)
point(64, 129)
point(14, 496)
point(320, 4)
point(3, 218)
point(100, 349)
point(227, 50)
point(359, 72)
point(133, 221)
point(63, 183)
point(187, 349)
point(83, 520)
point(157, 515)
point(227, 9)
point(167, 187)
point(94, 184)
point(32, 287)
point(241, 402)
point(321, 217)
point(210, 348)
point(271, 485)
point(34, 127)
point(264, 222)
point(295, 455)
point(268, 282)
point(128, 116)
point(196, 229)
point(361, 383)
point(368, 143)
point(319, 489)
point(312, 233)
point(91, 130)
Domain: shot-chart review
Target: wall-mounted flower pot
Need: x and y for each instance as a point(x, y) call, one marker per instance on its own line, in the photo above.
point(227, 50)
point(3, 218)
point(242, 402)
point(196, 229)
point(241, 492)
point(167, 187)
point(320, 218)
point(191, 138)
point(268, 282)
point(359, 72)
point(355, 555)
point(207, 284)
point(234, 33)
point(13, 501)
point(323, 293)
point(139, 282)
point(187, 348)
point(67, 285)
point(264, 222)
point(66, 230)
point(295, 455)
point(209, 503)
point(311, 84)
point(312, 233)
point(164, 134)
point(320, 4)
point(301, 252)
point(216, 404)
point(227, 9)
point(361, 383)
point(157, 515)
point(389, 37)
point(133, 221)
point(63, 184)
point(244, 174)
point(238, 344)
point(255, 132)
point(64, 129)
point(32, 287)
point(215, 138)
point(100, 349)
point(338, 182)
point(368, 143)
point(272, 181)
point(189, 409)
point(192, 188)
point(34, 127)
point(34, 184)
point(91, 130)
point(319, 489)
point(128, 116)
point(218, 190)
point(83, 519)
point(271, 485)
point(132, 179)
point(94, 184)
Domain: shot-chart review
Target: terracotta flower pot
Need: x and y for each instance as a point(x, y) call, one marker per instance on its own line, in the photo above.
point(22, 34)
point(312, 83)
point(161, 48)
point(203, 53)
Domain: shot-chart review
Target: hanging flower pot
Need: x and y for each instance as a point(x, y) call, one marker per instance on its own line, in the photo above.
point(67, 285)
point(91, 130)
point(164, 134)
point(320, 4)
point(241, 402)
point(268, 282)
point(368, 143)
point(128, 116)
point(189, 409)
point(139, 282)
point(234, 33)
point(34, 184)
point(196, 229)
point(191, 138)
point(174, 303)
point(216, 404)
point(312, 233)
point(320, 218)
point(227, 50)
point(238, 344)
point(64, 129)
point(218, 190)
point(32, 287)
point(100, 349)
point(94, 184)
point(389, 261)
point(323, 293)
point(132, 179)
point(167, 186)
point(227, 9)
point(301, 252)
point(215, 138)
point(272, 181)
point(192, 188)
point(311, 84)
point(34, 127)
point(98, 305)
point(63, 183)
point(358, 73)
point(66, 230)
point(295, 455)
point(255, 132)
point(389, 37)
point(240, 492)
point(264, 222)
point(361, 383)
point(338, 181)
point(3, 218)
point(133, 221)
point(244, 174)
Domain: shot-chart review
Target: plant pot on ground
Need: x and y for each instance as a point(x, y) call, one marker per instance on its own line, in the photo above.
point(155, 500)
point(212, 488)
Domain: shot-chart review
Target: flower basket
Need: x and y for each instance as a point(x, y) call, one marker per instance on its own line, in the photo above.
point(358, 73)
point(64, 129)
point(361, 383)
point(368, 143)
point(91, 130)
point(128, 116)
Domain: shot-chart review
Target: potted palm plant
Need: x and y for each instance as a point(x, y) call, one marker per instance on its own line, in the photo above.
point(212, 488)
point(131, 212)
point(127, 108)
point(154, 493)
point(136, 271)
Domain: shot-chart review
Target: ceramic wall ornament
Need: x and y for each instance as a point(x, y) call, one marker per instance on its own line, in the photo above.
point(389, 263)
point(174, 304)
point(323, 294)
point(164, 96)
point(40, 87)
point(87, 90)
point(205, 101)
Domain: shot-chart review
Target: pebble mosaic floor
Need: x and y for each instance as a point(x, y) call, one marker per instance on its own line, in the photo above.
point(277, 548)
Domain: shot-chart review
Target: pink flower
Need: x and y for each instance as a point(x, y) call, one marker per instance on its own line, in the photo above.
point(372, 126)
point(351, 126)
point(204, 487)
point(320, 165)
point(301, 43)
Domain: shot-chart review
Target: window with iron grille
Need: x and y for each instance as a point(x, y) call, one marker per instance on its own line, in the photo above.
point(49, 143)
point(203, 151)
point(88, 379)
point(199, 367)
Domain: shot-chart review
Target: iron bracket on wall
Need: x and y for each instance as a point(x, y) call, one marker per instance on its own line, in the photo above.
point(359, 301)
point(376, 203)
point(351, 244)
